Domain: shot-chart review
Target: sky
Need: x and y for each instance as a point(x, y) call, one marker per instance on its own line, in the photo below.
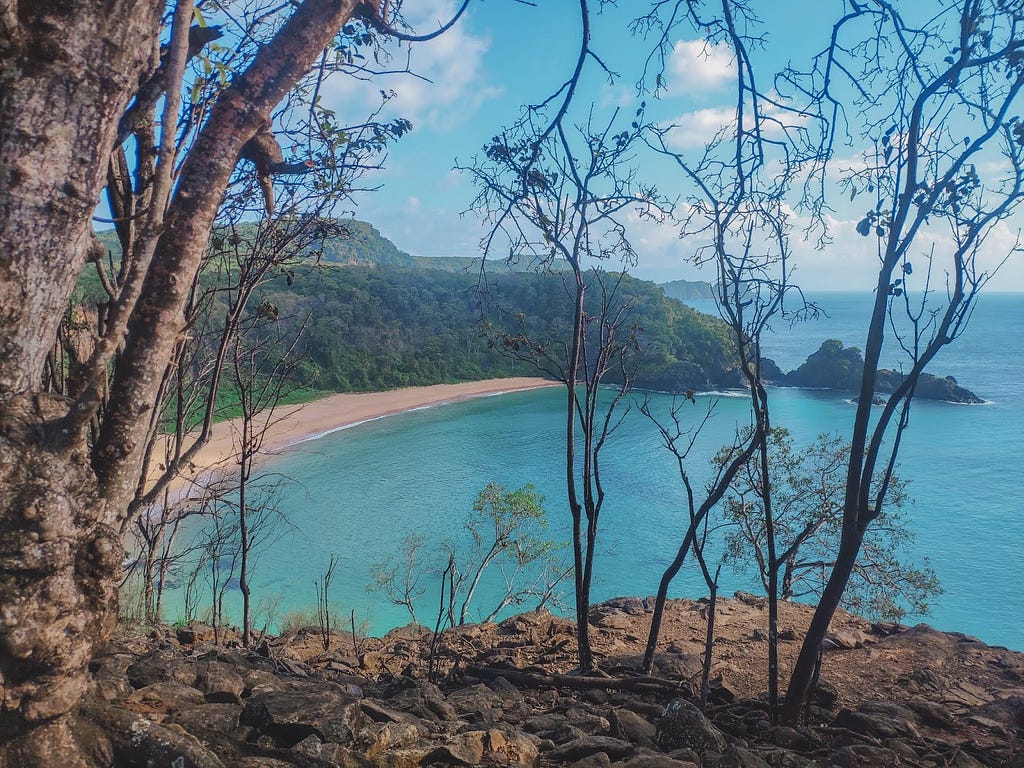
point(503, 54)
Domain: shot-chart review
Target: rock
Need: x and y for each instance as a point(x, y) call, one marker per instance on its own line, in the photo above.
point(589, 745)
point(845, 639)
point(677, 666)
point(684, 725)
point(596, 760)
point(109, 674)
point(631, 606)
point(612, 621)
point(932, 714)
point(1006, 710)
point(510, 695)
point(164, 696)
point(545, 723)
point(824, 694)
point(220, 682)
point(138, 741)
point(216, 725)
point(477, 703)
point(383, 737)
point(655, 761)
point(632, 727)
point(260, 681)
point(864, 724)
point(721, 691)
point(734, 757)
point(464, 749)
point(835, 366)
point(380, 713)
point(513, 748)
point(421, 699)
point(747, 598)
point(290, 716)
point(783, 758)
point(790, 738)
point(159, 667)
point(587, 722)
point(194, 633)
point(863, 756)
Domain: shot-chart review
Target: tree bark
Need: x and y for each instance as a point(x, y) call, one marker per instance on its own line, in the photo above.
point(68, 69)
point(67, 72)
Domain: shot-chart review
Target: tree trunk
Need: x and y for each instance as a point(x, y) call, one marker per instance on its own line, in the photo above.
point(67, 72)
point(58, 569)
point(68, 69)
point(832, 595)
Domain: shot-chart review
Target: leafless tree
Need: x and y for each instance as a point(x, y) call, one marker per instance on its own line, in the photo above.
point(560, 198)
point(738, 221)
point(932, 102)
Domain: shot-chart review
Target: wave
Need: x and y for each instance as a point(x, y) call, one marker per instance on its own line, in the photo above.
point(332, 430)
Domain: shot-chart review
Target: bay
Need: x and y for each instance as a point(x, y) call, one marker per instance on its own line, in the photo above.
point(357, 492)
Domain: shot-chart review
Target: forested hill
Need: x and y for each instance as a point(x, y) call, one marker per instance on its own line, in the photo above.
point(377, 328)
point(379, 317)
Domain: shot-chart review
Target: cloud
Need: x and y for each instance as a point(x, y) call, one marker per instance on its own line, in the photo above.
point(697, 129)
point(698, 65)
point(448, 86)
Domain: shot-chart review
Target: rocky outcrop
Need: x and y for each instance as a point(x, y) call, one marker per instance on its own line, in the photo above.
point(835, 366)
point(889, 696)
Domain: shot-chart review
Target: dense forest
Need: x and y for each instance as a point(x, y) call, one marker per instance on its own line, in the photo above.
point(374, 328)
point(370, 316)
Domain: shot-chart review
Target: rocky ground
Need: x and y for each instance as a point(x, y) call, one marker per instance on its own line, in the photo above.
point(889, 696)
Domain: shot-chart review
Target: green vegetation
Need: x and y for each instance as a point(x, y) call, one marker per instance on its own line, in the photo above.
point(377, 318)
point(379, 328)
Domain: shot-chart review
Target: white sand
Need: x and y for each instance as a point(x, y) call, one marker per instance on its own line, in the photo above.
point(293, 424)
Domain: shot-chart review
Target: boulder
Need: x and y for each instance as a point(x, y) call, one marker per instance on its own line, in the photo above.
point(630, 726)
point(477, 703)
point(585, 746)
point(290, 716)
point(463, 749)
point(684, 725)
point(655, 760)
point(138, 741)
point(161, 666)
point(163, 697)
point(220, 682)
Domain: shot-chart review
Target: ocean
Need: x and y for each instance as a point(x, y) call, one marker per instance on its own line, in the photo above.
point(356, 493)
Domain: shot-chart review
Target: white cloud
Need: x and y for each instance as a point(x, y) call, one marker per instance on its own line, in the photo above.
point(697, 129)
point(448, 85)
point(698, 65)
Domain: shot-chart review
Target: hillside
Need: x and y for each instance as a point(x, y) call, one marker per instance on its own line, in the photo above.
point(378, 328)
point(380, 318)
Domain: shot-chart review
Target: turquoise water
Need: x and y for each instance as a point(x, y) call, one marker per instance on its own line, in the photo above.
point(356, 492)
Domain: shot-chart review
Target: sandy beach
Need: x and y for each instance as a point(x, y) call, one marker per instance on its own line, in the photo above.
point(294, 424)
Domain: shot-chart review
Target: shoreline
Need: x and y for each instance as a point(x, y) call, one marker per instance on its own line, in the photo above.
point(295, 425)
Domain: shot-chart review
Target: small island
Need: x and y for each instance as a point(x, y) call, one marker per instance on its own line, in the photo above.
point(838, 367)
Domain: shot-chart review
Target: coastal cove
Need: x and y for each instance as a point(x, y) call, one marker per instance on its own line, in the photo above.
point(355, 493)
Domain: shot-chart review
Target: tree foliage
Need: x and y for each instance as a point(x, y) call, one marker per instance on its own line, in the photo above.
point(807, 489)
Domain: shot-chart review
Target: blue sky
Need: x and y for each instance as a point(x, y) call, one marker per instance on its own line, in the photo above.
point(503, 54)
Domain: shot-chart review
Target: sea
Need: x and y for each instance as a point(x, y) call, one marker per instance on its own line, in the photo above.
point(355, 494)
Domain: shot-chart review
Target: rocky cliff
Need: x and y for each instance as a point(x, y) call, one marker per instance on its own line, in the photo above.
point(835, 366)
point(888, 695)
